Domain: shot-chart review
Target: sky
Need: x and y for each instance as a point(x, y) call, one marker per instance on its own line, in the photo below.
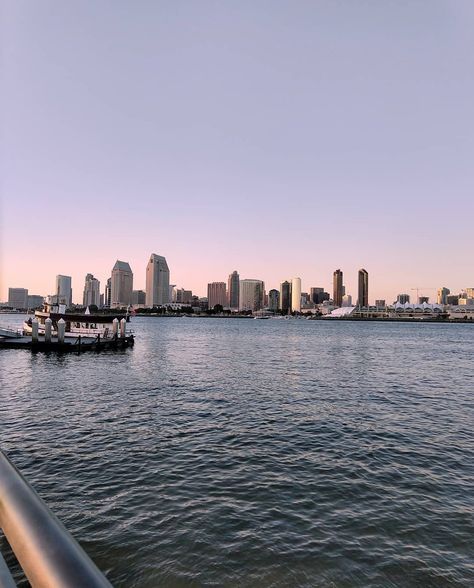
point(278, 138)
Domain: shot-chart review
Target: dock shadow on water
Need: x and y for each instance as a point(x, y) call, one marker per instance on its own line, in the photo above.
point(256, 453)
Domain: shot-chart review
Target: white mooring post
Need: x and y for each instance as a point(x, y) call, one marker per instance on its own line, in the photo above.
point(34, 330)
point(61, 330)
point(115, 327)
point(48, 327)
point(123, 325)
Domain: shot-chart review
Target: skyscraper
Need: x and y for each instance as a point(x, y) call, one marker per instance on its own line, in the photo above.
point(108, 293)
point(285, 297)
point(18, 298)
point(216, 294)
point(63, 289)
point(443, 294)
point(296, 295)
point(233, 290)
point(338, 288)
point(91, 291)
point(363, 297)
point(273, 300)
point(121, 284)
point(157, 281)
point(251, 294)
point(403, 298)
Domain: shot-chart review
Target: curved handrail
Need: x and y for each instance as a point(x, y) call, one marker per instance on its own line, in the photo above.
point(48, 554)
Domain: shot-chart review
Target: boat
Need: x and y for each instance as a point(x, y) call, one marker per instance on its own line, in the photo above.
point(77, 324)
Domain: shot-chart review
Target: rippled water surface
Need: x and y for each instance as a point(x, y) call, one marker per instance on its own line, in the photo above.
point(233, 452)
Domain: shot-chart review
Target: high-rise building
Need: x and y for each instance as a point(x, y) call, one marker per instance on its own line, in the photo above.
point(453, 300)
point(18, 298)
point(296, 295)
point(233, 290)
point(442, 295)
point(184, 296)
point(64, 289)
point(273, 300)
point(173, 293)
point(338, 287)
point(314, 294)
point(285, 297)
point(91, 291)
point(363, 297)
point(346, 300)
point(35, 301)
point(108, 293)
point(251, 294)
point(157, 281)
point(138, 297)
point(121, 284)
point(380, 304)
point(403, 298)
point(216, 294)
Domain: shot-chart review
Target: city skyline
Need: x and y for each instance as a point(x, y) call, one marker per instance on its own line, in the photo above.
point(335, 135)
point(304, 286)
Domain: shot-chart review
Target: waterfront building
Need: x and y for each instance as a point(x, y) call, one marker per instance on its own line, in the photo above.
point(91, 291)
point(467, 297)
point(64, 289)
point(108, 293)
point(423, 299)
point(285, 297)
point(363, 298)
point(157, 281)
point(296, 295)
point(18, 298)
point(318, 295)
point(315, 295)
point(233, 290)
point(403, 298)
point(216, 294)
point(35, 301)
point(338, 287)
point(121, 284)
point(346, 300)
point(184, 296)
point(380, 304)
point(173, 293)
point(251, 294)
point(442, 295)
point(138, 297)
point(273, 300)
point(452, 300)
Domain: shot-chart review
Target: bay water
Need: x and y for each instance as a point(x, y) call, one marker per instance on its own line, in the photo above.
point(237, 452)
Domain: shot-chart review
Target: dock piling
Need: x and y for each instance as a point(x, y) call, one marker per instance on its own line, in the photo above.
point(48, 327)
point(34, 330)
point(61, 330)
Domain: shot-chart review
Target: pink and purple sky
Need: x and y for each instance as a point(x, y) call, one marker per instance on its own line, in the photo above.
point(277, 138)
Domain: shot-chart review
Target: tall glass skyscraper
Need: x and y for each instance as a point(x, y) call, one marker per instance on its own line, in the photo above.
point(63, 289)
point(338, 287)
point(363, 298)
point(121, 284)
point(233, 290)
point(157, 281)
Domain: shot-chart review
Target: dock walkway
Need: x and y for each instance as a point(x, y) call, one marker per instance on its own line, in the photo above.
point(70, 344)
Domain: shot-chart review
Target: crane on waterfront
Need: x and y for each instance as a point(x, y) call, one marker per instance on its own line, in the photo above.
point(422, 289)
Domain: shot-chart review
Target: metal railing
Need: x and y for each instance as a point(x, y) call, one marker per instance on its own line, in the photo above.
point(47, 553)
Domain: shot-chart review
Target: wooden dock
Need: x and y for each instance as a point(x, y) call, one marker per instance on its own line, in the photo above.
point(70, 344)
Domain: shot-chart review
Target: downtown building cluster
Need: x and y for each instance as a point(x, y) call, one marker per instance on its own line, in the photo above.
point(234, 295)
